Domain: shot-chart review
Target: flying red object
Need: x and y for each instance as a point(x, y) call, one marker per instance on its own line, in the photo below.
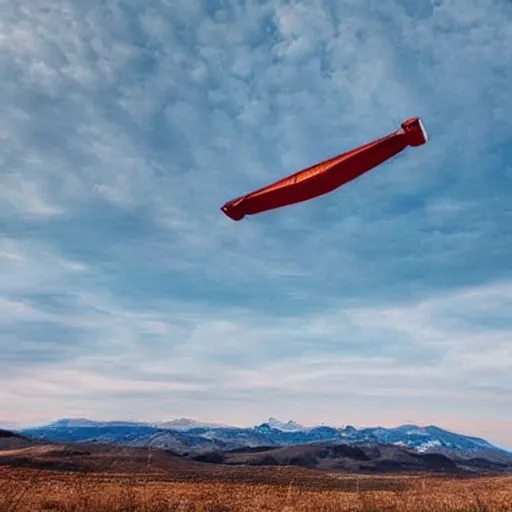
point(328, 175)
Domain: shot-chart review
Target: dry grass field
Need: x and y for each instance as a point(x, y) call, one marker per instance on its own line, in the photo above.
point(34, 490)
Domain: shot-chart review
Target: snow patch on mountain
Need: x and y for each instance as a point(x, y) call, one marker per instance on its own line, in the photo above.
point(428, 446)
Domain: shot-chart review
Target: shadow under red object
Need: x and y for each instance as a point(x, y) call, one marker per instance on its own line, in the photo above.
point(327, 175)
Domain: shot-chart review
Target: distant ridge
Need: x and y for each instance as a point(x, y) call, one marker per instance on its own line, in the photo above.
point(188, 436)
point(207, 458)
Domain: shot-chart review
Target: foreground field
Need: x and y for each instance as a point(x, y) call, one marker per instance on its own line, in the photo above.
point(29, 490)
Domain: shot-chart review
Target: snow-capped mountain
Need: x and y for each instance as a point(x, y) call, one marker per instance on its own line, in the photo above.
point(186, 436)
point(185, 424)
point(425, 439)
point(289, 426)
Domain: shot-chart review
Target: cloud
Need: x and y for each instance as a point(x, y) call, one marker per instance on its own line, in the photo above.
point(125, 128)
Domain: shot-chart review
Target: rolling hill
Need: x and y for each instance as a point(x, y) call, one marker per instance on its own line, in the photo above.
point(11, 440)
point(247, 462)
point(355, 459)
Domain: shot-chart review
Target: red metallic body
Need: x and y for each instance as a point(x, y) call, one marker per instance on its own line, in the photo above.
point(328, 175)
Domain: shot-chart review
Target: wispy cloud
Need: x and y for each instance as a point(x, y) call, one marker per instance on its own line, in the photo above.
point(125, 127)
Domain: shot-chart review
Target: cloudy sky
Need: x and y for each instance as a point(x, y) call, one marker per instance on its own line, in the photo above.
point(126, 294)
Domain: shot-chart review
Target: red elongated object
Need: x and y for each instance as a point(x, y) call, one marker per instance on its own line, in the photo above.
point(328, 175)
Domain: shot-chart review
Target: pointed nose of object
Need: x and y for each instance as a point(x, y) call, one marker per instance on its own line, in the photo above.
point(231, 212)
point(416, 133)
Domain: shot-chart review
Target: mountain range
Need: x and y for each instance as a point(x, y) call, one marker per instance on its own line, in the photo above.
point(187, 437)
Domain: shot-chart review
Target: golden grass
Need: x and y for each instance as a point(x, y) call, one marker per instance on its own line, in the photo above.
point(23, 490)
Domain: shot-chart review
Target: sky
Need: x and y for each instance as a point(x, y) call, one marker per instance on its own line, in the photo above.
point(125, 293)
